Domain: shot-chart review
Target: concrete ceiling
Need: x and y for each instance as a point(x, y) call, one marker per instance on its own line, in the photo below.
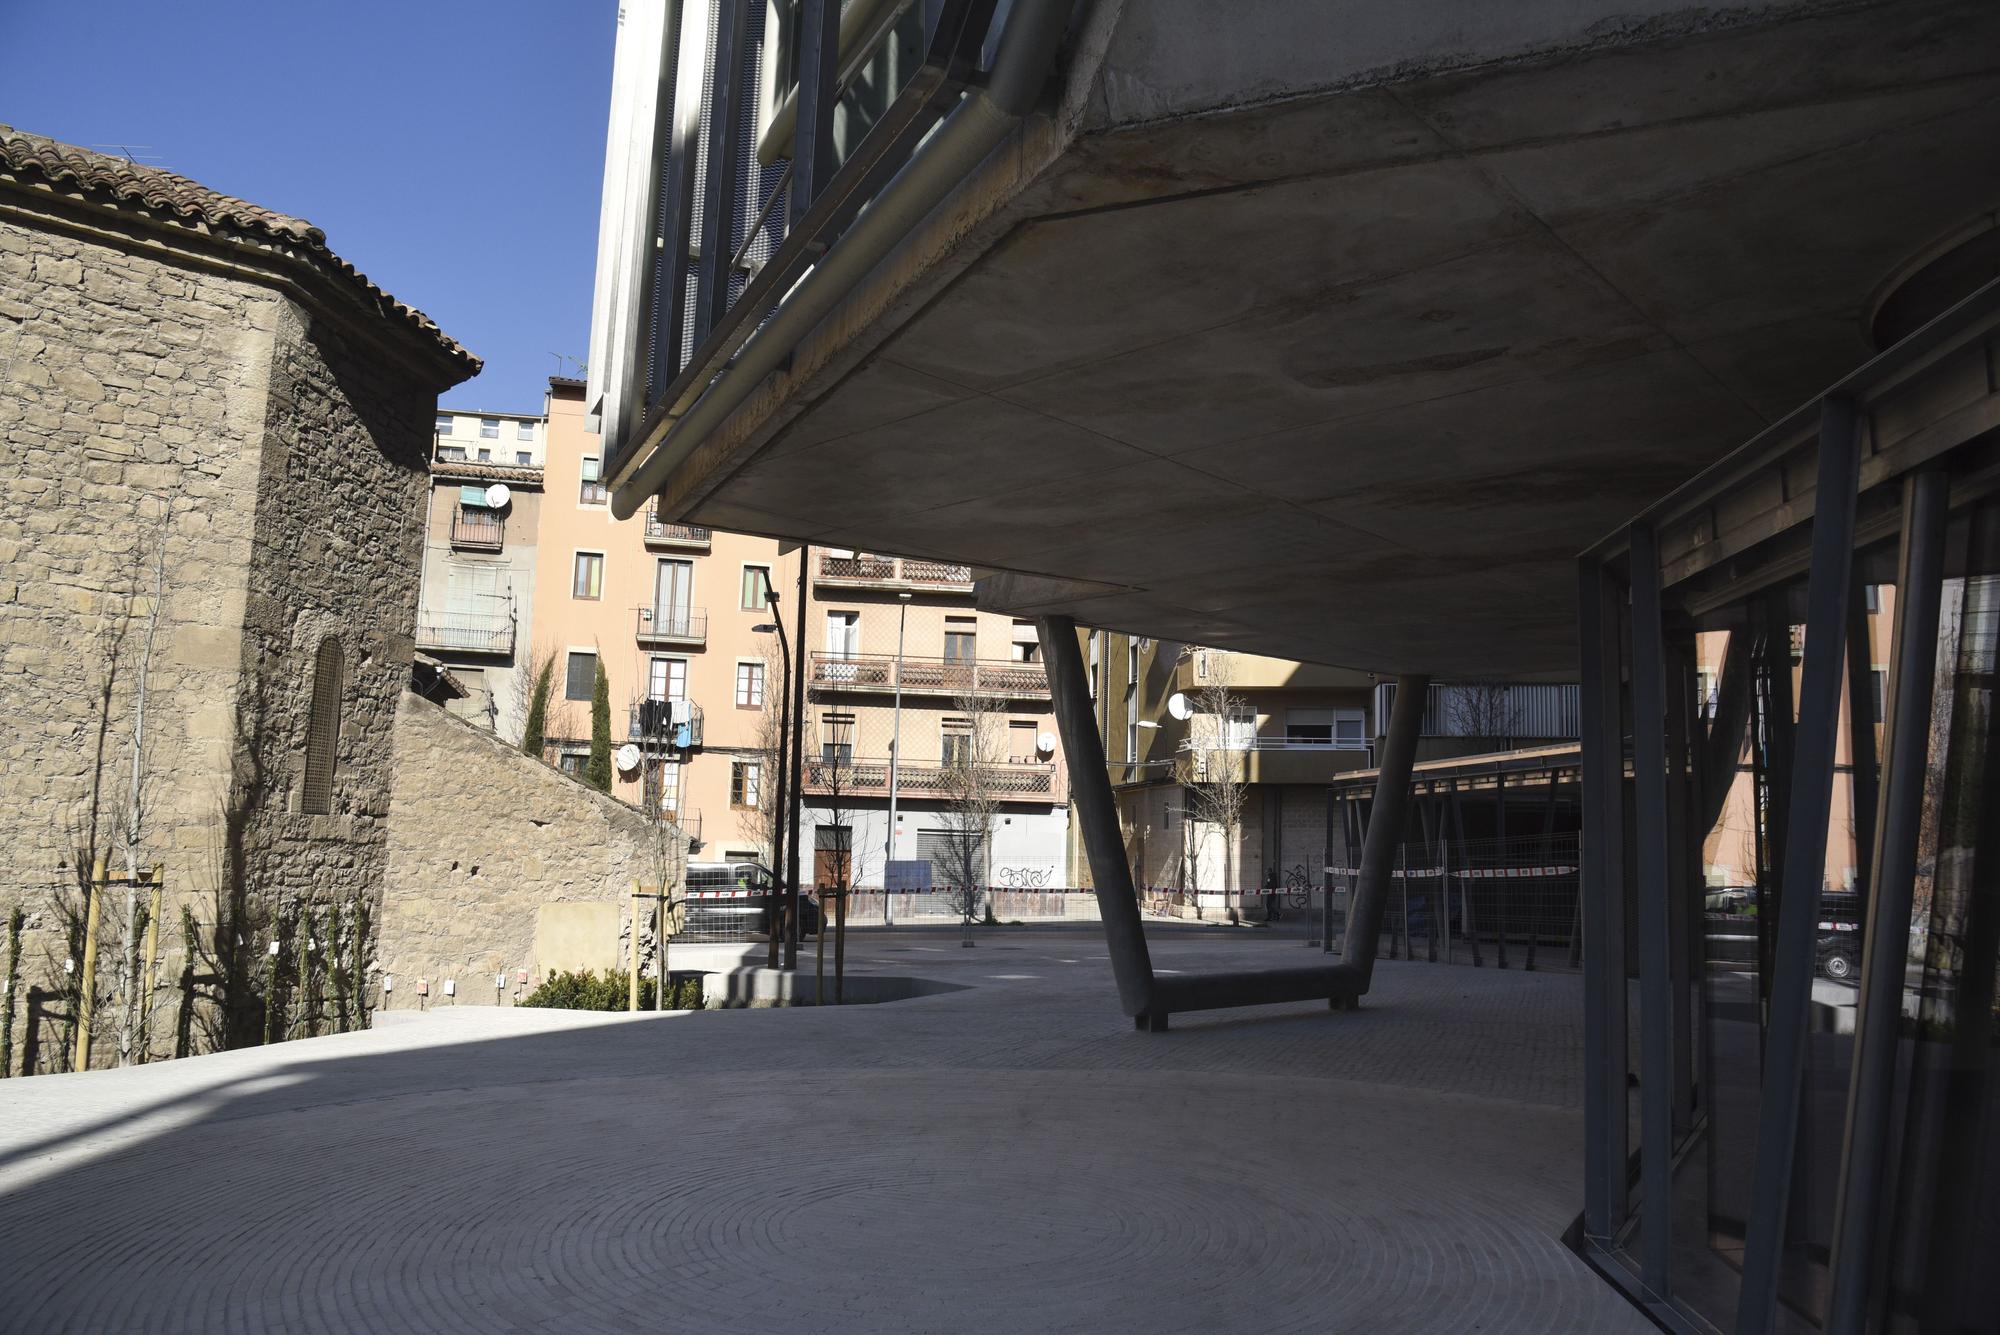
point(1352, 378)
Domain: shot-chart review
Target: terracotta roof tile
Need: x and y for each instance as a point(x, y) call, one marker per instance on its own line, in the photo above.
point(33, 158)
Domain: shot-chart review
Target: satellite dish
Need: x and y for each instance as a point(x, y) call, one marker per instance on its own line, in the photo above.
point(628, 757)
point(1046, 743)
point(497, 496)
point(1178, 706)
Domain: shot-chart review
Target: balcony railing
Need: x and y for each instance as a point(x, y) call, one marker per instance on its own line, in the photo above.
point(667, 723)
point(672, 625)
point(1009, 781)
point(889, 572)
point(686, 537)
point(927, 676)
point(478, 530)
point(466, 632)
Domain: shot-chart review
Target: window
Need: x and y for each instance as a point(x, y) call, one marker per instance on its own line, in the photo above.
point(1027, 642)
point(836, 739)
point(323, 728)
point(451, 452)
point(956, 744)
point(1878, 679)
point(489, 428)
point(444, 421)
point(1022, 746)
point(663, 785)
point(749, 685)
point(667, 679)
point(1871, 595)
point(745, 778)
point(524, 431)
point(525, 458)
point(756, 583)
point(960, 639)
point(573, 763)
point(485, 455)
point(588, 578)
point(591, 490)
point(1350, 730)
point(581, 678)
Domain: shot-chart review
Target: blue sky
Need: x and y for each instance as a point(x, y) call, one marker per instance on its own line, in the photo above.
point(450, 150)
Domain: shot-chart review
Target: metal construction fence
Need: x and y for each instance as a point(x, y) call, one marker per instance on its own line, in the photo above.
point(1505, 903)
point(725, 916)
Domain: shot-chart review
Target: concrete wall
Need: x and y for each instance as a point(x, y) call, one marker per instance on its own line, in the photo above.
point(481, 838)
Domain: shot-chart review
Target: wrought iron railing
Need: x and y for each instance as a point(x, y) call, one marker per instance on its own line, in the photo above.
point(478, 530)
point(674, 535)
point(1008, 781)
point(880, 570)
point(466, 632)
point(927, 676)
point(675, 723)
point(683, 624)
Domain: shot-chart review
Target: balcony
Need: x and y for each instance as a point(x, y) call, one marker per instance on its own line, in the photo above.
point(1275, 760)
point(477, 530)
point(671, 723)
point(1011, 781)
point(466, 632)
point(675, 537)
point(672, 627)
point(892, 574)
point(927, 676)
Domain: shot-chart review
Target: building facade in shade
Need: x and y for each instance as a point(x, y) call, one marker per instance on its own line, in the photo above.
point(1256, 745)
point(476, 612)
point(1529, 351)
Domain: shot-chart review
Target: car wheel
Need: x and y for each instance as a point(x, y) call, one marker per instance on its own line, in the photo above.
point(1838, 966)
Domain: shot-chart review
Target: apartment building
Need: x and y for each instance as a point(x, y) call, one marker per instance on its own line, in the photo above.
point(901, 666)
point(476, 612)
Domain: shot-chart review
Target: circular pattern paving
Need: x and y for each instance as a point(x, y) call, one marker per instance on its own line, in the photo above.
point(941, 1200)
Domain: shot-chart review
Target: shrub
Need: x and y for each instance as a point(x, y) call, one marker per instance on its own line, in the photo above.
point(610, 990)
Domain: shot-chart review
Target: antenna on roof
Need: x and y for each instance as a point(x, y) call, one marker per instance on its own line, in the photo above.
point(561, 358)
point(130, 152)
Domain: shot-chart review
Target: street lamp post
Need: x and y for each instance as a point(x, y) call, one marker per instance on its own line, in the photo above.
point(776, 625)
point(895, 753)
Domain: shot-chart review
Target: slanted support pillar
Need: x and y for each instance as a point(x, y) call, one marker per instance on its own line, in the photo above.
point(1378, 849)
point(1097, 815)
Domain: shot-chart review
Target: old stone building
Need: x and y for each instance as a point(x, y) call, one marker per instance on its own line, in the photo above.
point(214, 437)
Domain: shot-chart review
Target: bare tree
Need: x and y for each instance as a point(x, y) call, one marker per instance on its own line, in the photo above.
point(1482, 709)
point(759, 822)
point(831, 776)
point(972, 796)
point(133, 821)
point(1219, 739)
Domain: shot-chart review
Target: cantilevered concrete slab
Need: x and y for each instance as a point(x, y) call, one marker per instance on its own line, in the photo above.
point(1336, 332)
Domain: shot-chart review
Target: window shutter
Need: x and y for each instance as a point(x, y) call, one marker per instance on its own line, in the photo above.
point(323, 728)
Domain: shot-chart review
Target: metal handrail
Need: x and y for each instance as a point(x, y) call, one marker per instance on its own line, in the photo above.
point(657, 530)
point(1032, 780)
point(473, 529)
point(466, 632)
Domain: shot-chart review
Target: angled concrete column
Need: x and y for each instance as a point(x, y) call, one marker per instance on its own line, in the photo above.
point(1378, 850)
point(1097, 816)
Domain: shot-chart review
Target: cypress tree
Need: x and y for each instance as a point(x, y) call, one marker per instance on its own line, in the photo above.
point(534, 739)
point(598, 772)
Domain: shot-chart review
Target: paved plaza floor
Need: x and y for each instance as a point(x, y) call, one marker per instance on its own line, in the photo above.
point(1013, 1156)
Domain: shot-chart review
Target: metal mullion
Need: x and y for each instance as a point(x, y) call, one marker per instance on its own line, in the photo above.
point(1806, 825)
point(1602, 812)
point(1892, 882)
point(718, 205)
point(818, 92)
point(1864, 782)
point(1679, 681)
point(659, 269)
point(1656, 1034)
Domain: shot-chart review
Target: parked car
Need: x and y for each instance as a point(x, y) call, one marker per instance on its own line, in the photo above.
point(736, 900)
point(1730, 915)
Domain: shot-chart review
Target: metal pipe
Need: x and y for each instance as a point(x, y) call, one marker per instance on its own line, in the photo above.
point(1906, 769)
point(959, 144)
point(798, 775)
point(1831, 572)
point(1385, 823)
point(1097, 814)
point(862, 25)
point(1656, 1031)
point(895, 753)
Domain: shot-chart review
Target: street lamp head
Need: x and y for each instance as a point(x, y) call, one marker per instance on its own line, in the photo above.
point(764, 628)
point(903, 597)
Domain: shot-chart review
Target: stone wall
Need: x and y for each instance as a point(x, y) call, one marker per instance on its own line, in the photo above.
point(276, 459)
point(480, 838)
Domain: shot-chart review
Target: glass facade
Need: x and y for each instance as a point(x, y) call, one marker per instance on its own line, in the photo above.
point(1826, 845)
